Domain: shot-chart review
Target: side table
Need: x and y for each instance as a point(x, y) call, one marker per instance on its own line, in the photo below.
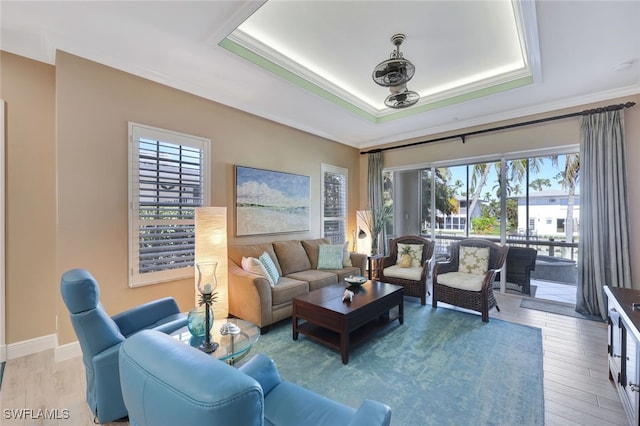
point(232, 348)
point(372, 264)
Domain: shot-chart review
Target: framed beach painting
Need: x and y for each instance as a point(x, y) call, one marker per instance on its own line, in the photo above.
point(270, 202)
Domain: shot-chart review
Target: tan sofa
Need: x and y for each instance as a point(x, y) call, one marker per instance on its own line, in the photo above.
point(252, 298)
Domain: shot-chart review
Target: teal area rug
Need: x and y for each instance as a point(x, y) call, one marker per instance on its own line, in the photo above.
point(556, 308)
point(441, 367)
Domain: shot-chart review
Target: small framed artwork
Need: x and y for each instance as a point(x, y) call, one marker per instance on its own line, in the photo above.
point(271, 202)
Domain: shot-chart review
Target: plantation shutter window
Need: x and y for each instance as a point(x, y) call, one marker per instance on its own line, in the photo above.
point(334, 203)
point(168, 175)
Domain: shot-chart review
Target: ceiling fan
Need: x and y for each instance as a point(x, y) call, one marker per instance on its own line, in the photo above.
point(394, 73)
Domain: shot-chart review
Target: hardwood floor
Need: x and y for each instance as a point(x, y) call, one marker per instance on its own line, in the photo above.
point(576, 381)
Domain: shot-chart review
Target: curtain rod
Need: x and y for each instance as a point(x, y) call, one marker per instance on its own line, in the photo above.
point(463, 136)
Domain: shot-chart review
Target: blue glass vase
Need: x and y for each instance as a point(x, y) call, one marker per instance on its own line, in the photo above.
point(196, 321)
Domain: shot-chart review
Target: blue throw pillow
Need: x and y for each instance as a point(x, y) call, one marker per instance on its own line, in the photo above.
point(330, 256)
point(271, 268)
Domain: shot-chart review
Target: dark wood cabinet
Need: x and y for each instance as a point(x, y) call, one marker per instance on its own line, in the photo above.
point(624, 338)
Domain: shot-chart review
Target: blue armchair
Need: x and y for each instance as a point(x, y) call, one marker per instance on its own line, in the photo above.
point(166, 383)
point(100, 337)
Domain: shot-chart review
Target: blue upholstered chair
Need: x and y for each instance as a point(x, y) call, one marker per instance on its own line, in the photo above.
point(100, 337)
point(168, 383)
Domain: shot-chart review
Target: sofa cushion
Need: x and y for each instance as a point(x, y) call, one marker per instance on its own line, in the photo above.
point(287, 289)
point(291, 256)
point(330, 256)
point(316, 279)
point(345, 272)
point(312, 248)
point(236, 253)
point(270, 267)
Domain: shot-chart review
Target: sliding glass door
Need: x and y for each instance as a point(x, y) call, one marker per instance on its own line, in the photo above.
point(530, 201)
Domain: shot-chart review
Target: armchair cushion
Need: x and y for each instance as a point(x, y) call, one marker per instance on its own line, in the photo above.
point(371, 413)
point(462, 280)
point(397, 271)
point(474, 260)
point(290, 404)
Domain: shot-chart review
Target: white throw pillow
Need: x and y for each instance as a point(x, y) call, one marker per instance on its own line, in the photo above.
point(271, 267)
point(346, 259)
point(473, 260)
point(253, 265)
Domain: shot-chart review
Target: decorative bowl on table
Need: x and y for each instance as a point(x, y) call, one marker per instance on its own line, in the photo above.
point(355, 280)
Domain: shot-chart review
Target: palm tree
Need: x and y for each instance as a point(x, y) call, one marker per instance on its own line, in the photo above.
point(569, 178)
point(540, 183)
point(516, 170)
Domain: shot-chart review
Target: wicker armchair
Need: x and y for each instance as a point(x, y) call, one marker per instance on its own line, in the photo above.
point(412, 278)
point(469, 285)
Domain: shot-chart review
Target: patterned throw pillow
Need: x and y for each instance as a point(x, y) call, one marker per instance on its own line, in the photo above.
point(413, 250)
point(330, 256)
point(271, 268)
point(474, 260)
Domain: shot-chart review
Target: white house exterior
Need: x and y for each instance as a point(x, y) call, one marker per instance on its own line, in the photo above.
point(547, 213)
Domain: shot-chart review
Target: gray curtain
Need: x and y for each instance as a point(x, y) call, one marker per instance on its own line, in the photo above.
point(604, 257)
point(374, 188)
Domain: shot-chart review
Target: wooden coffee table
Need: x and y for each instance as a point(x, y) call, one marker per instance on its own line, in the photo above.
point(342, 325)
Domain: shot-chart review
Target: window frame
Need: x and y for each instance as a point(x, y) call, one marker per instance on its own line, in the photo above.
point(136, 132)
point(336, 170)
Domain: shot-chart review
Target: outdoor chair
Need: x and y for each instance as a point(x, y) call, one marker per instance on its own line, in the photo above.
point(466, 280)
point(411, 275)
point(519, 264)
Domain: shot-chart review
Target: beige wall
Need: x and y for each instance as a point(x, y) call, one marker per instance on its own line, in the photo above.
point(31, 290)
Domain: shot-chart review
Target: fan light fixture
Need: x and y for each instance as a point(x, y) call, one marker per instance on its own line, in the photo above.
point(394, 73)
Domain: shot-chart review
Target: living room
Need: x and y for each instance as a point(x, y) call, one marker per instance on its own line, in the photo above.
point(66, 178)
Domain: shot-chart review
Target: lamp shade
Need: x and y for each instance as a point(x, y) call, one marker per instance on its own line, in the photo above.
point(363, 221)
point(211, 245)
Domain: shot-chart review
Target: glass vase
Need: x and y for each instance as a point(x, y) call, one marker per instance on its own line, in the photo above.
point(196, 321)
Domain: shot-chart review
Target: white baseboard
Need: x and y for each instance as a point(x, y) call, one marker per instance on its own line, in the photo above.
point(39, 344)
point(31, 346)
point(68, 351)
